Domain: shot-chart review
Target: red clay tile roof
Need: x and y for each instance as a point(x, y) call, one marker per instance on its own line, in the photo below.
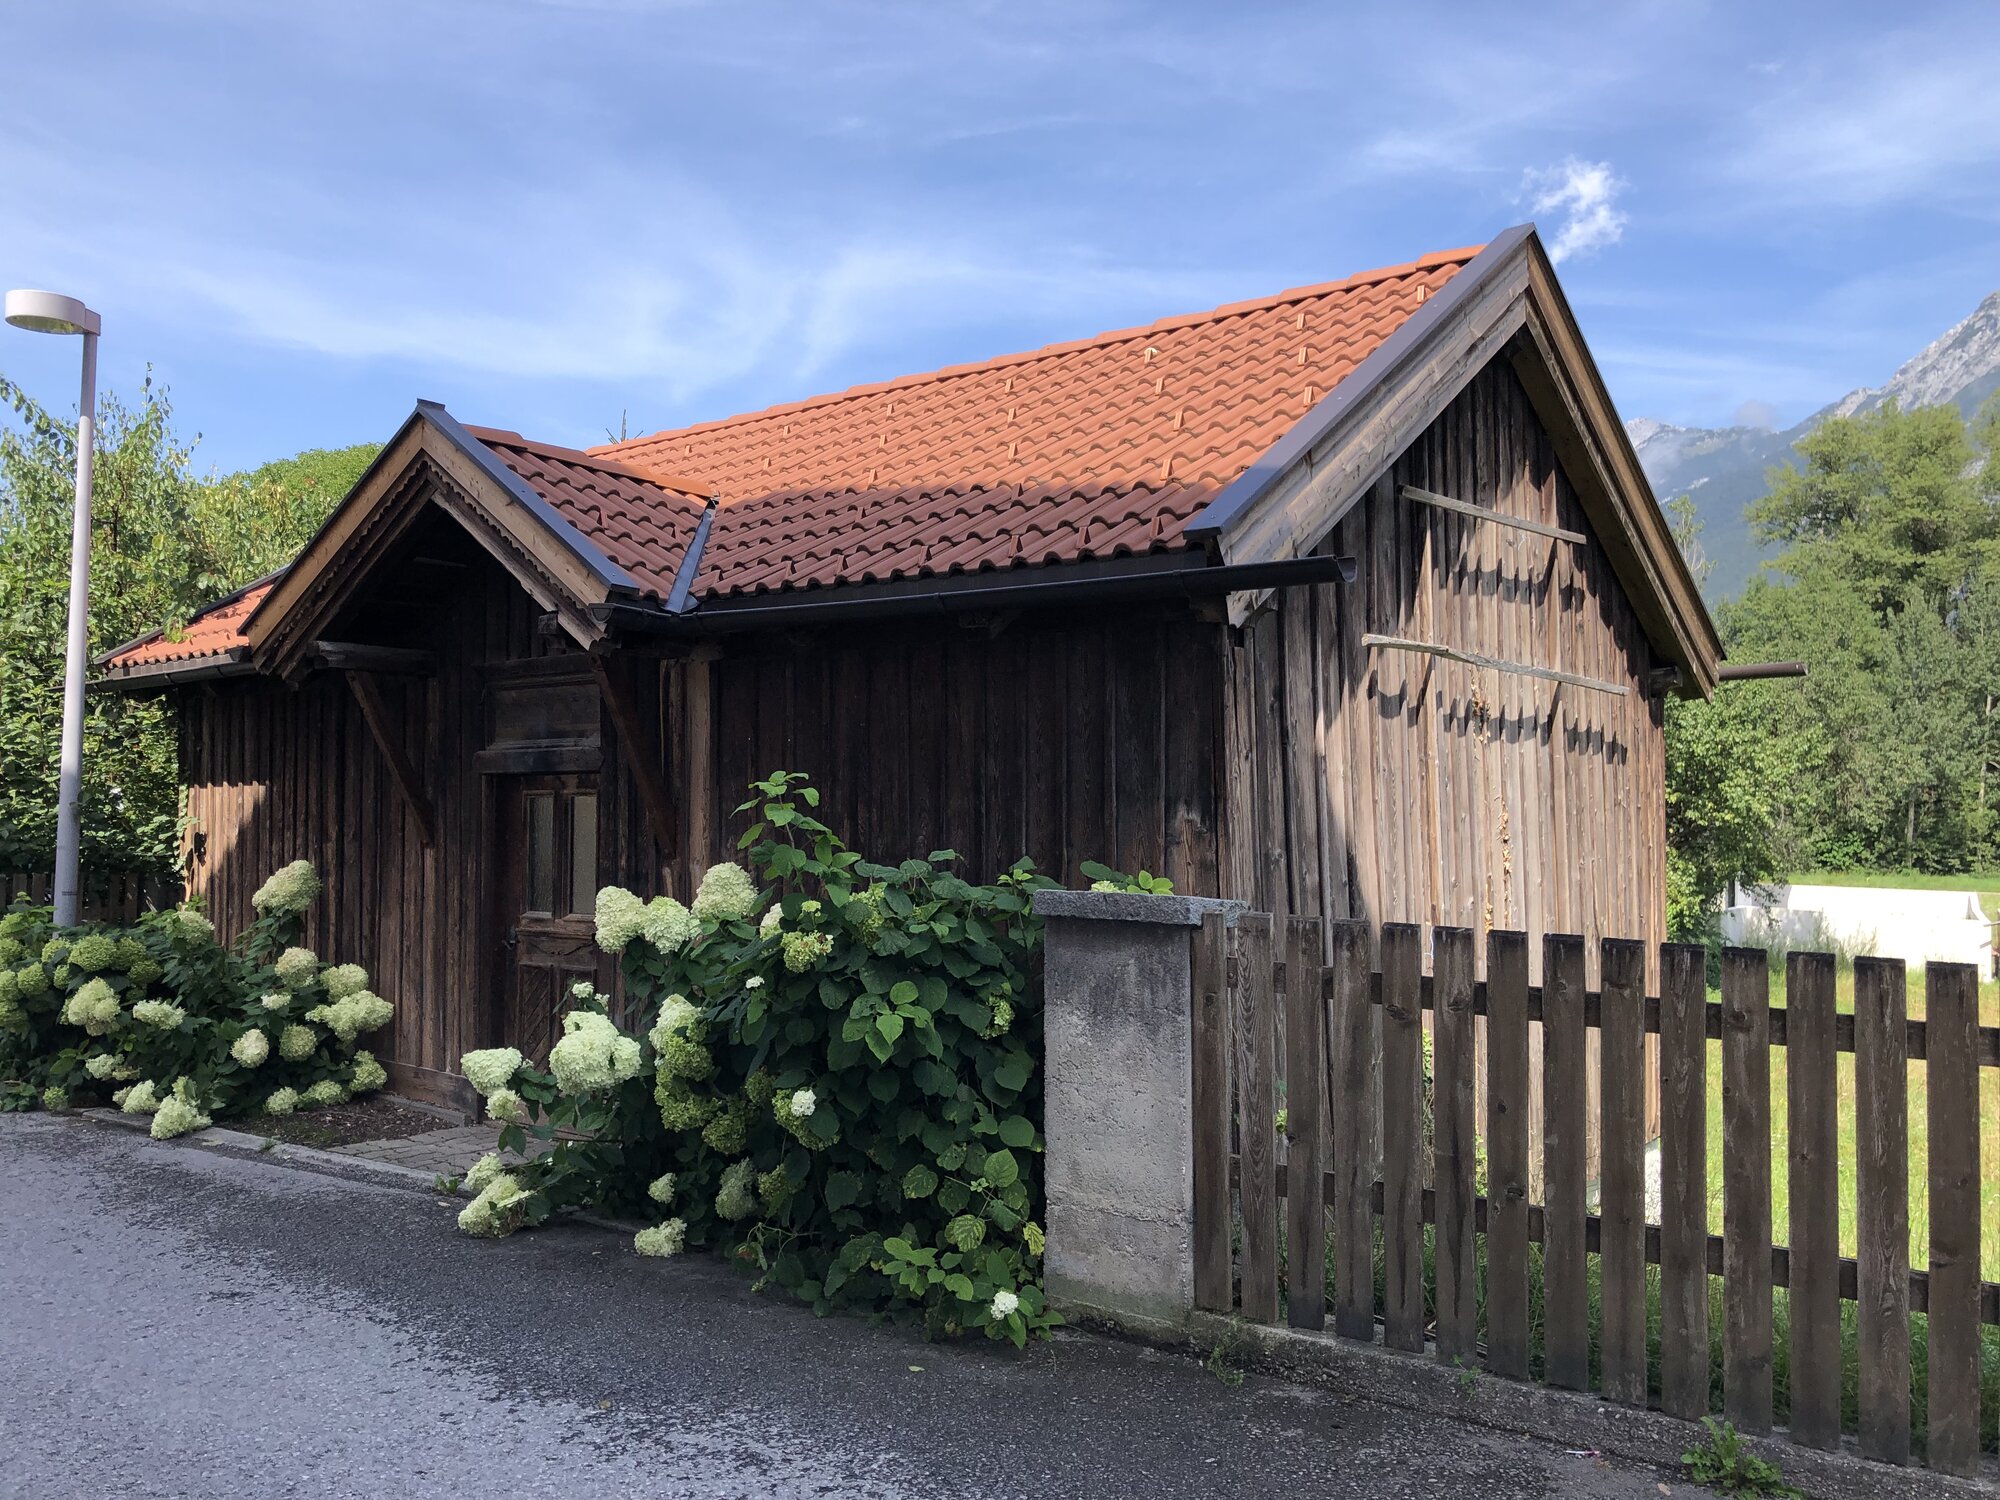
point(642, 520)
point(1104, 447)
point(212, 632)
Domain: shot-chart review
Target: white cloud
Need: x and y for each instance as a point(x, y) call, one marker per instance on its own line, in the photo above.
point(1582, 194)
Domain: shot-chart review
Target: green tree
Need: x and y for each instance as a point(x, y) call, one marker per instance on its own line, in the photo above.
point(163, 543)
point(1893, 501)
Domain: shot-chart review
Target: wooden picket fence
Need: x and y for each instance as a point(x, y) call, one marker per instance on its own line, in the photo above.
point(1350, 1062)
point(109, 896)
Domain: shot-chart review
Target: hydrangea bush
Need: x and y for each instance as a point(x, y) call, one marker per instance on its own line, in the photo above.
point(827, 1068)
point(160, 1018)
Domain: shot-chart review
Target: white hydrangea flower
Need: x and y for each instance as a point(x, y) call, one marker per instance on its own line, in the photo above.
point(102, 1065)
point(296, 1043)
point(326, 1091)
point(584, 991)
point(496, 1212)
point(296, 966)
point(94, 1007)
point(343, 980)
point(1004, 1303)
point(177, 1116)
point(367, 1075)
point(193, 924)
point(507, 1107)
point(158, 1013)
point(621, 916)
point(677, 1015)
point(804, 1102)
point(290, 891)
point(736, 1195)
point(754, 982)
point(483, 1171)
point(662, 1240)
point(661, 1189)
point(282, 1102)
point(140, 1099)
point(277, 1003)
point(771, 920)
point(669, 926)
point(491, 1069)
point(353, 1014)
point(727, 894)
point(593, 1054)
point(251, 1048)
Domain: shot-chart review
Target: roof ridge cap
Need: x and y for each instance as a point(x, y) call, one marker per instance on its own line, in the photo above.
point(1426, 262)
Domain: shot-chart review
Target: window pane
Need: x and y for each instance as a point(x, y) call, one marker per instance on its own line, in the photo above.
point(583, 852)
point(541, 892)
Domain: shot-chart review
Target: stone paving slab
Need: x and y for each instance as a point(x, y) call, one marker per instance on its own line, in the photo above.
point(444, 1153)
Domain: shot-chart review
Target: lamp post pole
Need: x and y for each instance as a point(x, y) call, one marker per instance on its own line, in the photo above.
point(46, 312)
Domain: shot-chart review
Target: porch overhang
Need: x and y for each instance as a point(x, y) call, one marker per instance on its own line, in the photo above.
point(434, 460)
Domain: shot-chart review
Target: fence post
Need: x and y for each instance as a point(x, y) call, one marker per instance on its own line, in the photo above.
point(1118, 1092)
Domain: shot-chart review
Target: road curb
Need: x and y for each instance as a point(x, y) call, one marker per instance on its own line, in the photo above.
point(1572, 1419)
point(269, 1148)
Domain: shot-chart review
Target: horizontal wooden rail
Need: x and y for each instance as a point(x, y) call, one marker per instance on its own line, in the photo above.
point(1917, 1033)
point(1781, 1256)
point(1372, 642)
point(1483, 513)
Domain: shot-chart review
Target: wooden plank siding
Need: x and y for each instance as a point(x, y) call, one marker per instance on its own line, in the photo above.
point(1449, 795)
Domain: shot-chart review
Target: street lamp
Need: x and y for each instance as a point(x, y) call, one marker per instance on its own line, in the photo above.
point(47, 312)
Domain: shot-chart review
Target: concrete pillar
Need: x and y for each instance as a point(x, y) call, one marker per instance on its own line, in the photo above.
point(1118, 1086)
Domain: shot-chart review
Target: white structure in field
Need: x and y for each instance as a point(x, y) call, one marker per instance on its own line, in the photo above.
point(1916, 926)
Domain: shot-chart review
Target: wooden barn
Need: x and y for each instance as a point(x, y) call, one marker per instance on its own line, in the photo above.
point(1349, 600)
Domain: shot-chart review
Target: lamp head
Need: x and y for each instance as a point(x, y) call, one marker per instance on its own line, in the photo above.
point(49, 312)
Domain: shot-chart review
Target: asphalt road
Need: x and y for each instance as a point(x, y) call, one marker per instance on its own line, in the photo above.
point(178, 1322)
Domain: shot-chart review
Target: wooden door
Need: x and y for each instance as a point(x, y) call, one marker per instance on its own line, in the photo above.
point(544, 894)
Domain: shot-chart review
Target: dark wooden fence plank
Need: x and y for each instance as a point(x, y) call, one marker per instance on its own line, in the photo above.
point(1305, 1104)
point(1213, 1277)
point(1507, 1116)
point(1354, 1137)
point(1256, 1115)
point(1402, 1135)
point(1683, 1180)
point(1622, 1190)
point(1565, 1281)
point(1813, 1174)
point(1881, 1131)
point(1457, 1146)
point(1746, 1189)
point(1951, 1008)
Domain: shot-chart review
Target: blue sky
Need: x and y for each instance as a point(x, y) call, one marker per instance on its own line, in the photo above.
point(305, 216)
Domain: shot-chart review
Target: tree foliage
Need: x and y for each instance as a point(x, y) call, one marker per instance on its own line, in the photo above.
point(1887, 756)
point(163, 542)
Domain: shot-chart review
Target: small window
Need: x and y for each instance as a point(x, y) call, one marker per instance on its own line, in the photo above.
point(583, 853)
point(541, 852)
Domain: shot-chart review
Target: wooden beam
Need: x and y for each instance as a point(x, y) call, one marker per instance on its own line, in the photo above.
point(408, 782)
point(642, 755)
point(349, 656)
point(1474, 659)
point(1482, 513)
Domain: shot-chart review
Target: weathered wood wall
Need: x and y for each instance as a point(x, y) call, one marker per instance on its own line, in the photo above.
point(1391, 787)
point(1061, 737)
point(276, 774)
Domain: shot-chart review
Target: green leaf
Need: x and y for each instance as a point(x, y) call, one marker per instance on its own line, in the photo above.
point(890, 1025)
point(919, 1182)
point(1017, 1131)
point(1001, 1169)
point(842, 1189)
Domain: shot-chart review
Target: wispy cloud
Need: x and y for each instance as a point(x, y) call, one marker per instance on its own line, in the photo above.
point(1583, 197)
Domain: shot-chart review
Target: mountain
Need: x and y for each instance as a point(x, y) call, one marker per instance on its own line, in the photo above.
point(1722, 468)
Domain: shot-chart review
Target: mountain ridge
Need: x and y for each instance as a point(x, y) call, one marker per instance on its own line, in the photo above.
point(1721, 469)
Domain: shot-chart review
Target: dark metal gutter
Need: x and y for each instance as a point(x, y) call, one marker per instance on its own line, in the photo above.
point(1753, 671)
point(607, 572)
point(1385, 364)
point(1177, 579)
point(166, 674)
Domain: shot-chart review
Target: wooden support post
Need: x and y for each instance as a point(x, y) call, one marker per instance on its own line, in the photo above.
point(376, 712)
point(641, 755)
